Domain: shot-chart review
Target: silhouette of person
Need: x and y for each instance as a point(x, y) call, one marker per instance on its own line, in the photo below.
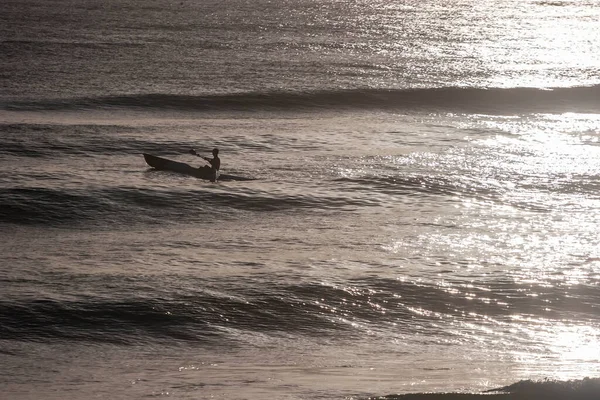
point(215, 164)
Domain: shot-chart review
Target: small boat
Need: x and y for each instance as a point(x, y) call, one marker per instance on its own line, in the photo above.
point(164, 164)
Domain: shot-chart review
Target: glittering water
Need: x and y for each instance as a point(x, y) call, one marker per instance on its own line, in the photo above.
point(424, 215)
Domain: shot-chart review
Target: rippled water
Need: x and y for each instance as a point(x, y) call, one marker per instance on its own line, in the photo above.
point(424, 215)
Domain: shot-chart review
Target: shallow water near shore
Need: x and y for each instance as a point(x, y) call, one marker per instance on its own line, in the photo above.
point(337, 273)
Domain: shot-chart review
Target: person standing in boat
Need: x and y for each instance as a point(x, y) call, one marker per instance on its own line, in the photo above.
point(215, 164)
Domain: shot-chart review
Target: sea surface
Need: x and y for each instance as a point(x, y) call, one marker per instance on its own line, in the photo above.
point(422, 221)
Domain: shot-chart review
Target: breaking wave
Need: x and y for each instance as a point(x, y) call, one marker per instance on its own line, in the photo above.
point(582, 389)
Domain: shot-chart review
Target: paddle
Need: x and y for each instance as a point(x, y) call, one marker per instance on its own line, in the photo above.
point(193, 152)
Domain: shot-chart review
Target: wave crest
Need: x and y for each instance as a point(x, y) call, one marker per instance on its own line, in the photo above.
point(487, 100)
point(580, 389)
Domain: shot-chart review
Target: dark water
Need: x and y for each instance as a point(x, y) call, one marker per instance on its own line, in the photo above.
point(447, 99)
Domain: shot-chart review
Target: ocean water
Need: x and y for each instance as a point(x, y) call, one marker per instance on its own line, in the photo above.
point(422, 223)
